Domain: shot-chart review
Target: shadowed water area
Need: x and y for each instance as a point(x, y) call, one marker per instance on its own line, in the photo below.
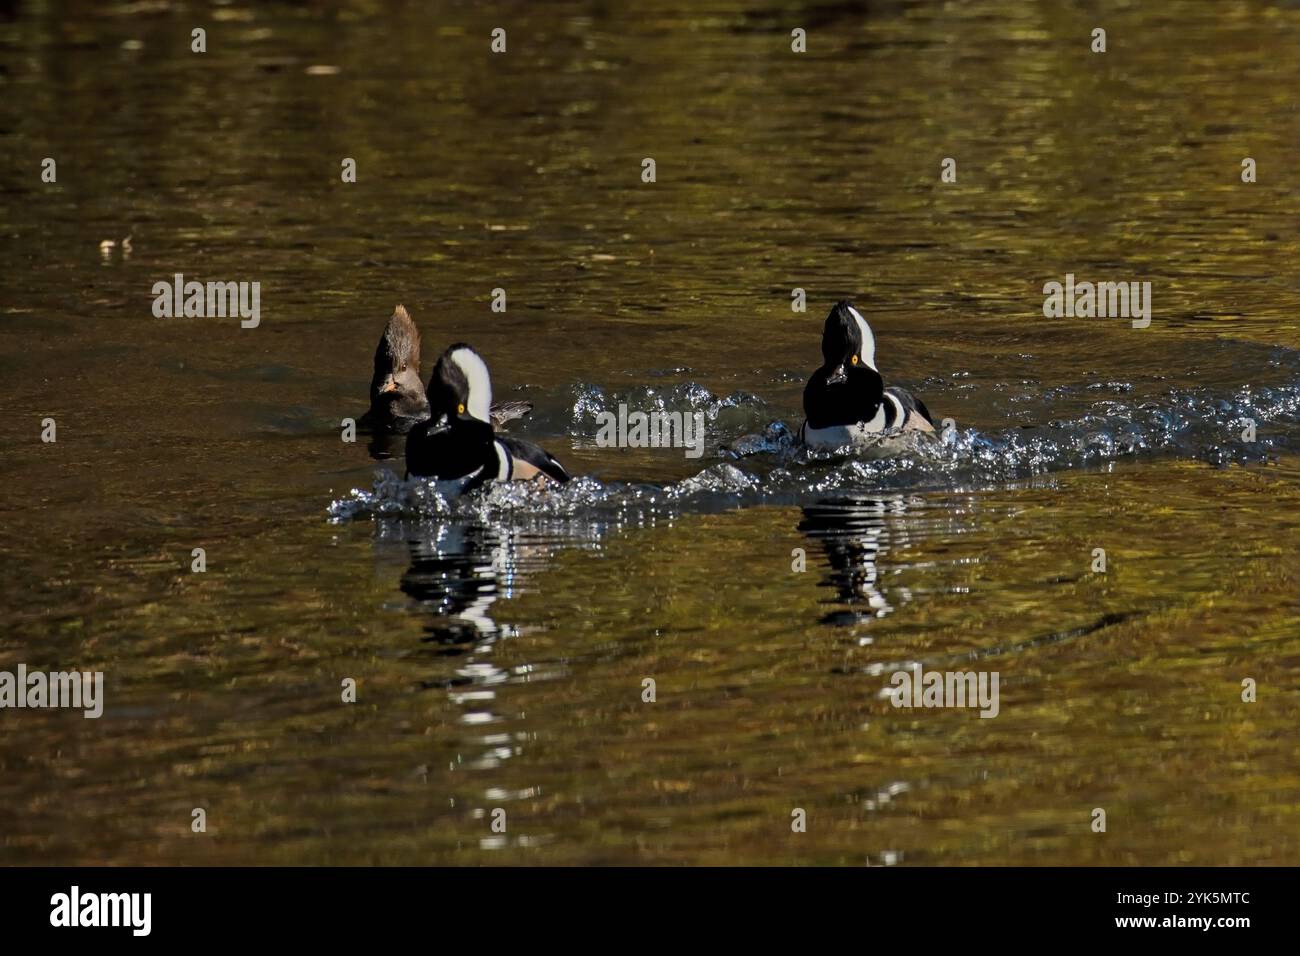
point(500, 644)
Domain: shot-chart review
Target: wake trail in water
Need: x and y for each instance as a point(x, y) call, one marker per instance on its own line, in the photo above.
point(757, 463)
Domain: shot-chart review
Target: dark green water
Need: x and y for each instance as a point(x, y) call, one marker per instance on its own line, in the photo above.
point(500, 650)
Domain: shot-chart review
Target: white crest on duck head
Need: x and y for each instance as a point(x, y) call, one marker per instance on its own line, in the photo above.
point(867, 352)
point(479, 383)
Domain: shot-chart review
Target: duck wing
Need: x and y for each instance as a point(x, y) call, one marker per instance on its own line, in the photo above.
point(915, 415)
point(504, 412)
point(527, 457)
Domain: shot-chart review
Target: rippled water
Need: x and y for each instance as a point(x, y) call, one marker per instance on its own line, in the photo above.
point(501, 644)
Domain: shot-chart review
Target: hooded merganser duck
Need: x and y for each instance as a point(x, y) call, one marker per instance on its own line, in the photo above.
point(846, 401)
point(397, 398)
point(457, 443)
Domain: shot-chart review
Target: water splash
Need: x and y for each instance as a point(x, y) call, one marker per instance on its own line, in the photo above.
point(768, 465)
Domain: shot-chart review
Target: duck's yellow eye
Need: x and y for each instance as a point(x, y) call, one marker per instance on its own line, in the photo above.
point(460, 409)
point(855, 360)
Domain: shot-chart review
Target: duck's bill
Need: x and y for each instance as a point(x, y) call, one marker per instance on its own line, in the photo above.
point(837, 376)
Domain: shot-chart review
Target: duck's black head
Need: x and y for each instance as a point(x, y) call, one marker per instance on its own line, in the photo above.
point(847, 341)
point(847, 388)
point(460, 386)
point(396, 391)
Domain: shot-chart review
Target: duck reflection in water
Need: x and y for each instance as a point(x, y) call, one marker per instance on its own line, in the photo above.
point(457, 573)
point(459, 569)
point(855, 534)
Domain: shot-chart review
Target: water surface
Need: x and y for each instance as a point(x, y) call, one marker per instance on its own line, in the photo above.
point(500, 646)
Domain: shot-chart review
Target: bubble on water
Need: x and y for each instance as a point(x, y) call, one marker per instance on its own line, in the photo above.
point(724, 479)
point(592, 401)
